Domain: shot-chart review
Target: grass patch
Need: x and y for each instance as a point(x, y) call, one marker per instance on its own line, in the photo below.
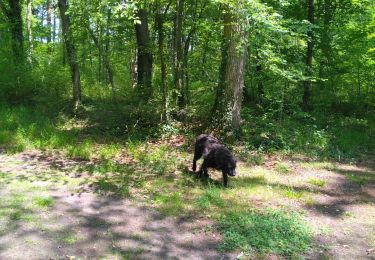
point(108, 152)
point(69, 237)
point(210, 197)
point(170, 204)
point(81, 151)
point(132, 253)
point(282, 168)
point(255, 159)
point(43, 202)
point(309, 201)
point(317, 182)
point(291, 193)
point(14, 207)
point(270, 231)
point(358, 179)
point(319, 165)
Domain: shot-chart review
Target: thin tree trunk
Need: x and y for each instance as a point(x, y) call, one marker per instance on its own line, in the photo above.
point(49, 25)
point(163, 69)
point(29, 15)
point(189, 46)
point(144, 55)
point(179, 70)
point(359, 80)
point(259, 72)
point(70, 51)
point(54, 23)
point(309, 57)
point(326, 63)
point(105, 55)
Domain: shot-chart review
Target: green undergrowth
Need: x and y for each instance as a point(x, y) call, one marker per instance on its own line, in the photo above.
point(81, 137)
point(317, 135)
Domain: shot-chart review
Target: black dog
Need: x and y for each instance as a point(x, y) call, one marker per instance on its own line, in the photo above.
point(215, 156)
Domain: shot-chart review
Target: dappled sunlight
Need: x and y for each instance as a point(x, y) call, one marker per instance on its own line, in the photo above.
point(92, 226)
point(157, 176)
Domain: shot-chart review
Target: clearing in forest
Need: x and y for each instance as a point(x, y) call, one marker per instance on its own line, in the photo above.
point(145, 204)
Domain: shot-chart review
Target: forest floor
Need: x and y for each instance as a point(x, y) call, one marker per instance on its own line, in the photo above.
point(57, 208)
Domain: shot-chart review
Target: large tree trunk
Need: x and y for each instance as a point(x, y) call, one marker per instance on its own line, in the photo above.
point(309, 57)
point(229, 94)
point(14, 15)
point(144, 55)
point(70, 51)
point(29, 16)
point(179, 69)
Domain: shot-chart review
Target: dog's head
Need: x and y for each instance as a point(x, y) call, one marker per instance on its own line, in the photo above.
point(230, 168)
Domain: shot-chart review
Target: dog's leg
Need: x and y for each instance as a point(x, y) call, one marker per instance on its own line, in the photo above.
point(225, 179)
point(204, 169)
point(197, 156)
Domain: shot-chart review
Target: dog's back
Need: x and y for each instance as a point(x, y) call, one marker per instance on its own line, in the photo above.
point(205, 142)
point(202, 143)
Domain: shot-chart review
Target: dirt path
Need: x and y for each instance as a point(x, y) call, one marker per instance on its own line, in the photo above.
point(343, 211)
point(42, 216)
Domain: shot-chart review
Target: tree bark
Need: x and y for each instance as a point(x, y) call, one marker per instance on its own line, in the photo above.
point(188, 45)
point(54, 23)
point(259, 71)
point(159, 21)
point(309, 57)
point(49, 24)
point(104, 54)
point(144, 55)
point(229, 94)
point(29, 16)
point(13, 12)
point(70, 51)
point(179, 70)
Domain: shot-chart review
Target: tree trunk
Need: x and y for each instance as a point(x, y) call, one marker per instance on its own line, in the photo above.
point(259, 78)
point(14, 15)
point(159, 20)
point(49, 24)
point(179, 69)
point(309, 57)
point(326, 63)
point(229, 94)
point(54, 23)
point(29, 16)
point(70, 51)
point(104, 54)
point(144, 55)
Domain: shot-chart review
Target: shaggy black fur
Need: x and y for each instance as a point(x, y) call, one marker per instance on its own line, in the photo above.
point(215, 156)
